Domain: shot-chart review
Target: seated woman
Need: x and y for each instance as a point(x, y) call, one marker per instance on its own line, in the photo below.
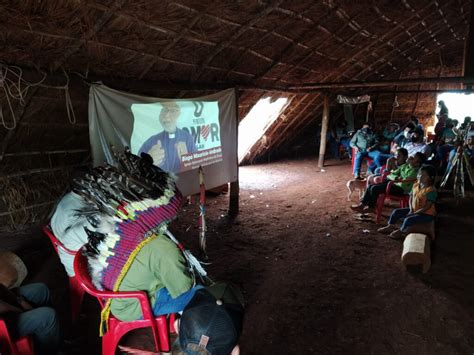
point(409, 170)
point(422, 205)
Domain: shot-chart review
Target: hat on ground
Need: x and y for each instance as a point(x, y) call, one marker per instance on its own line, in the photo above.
point(212, 321)
point(12, 269)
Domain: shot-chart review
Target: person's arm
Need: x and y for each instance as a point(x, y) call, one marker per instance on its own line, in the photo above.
point(410, 203)
point(426, 207)
point(9, 302)
point(430, 200)
point(375, 140)
point(353, 143)
point(394, 174)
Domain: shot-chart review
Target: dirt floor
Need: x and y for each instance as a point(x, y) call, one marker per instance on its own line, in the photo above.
point(314, 282)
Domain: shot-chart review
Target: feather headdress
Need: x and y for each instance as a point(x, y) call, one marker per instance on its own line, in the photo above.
point(126, 206)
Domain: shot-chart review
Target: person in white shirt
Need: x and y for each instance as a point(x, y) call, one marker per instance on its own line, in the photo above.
point(417, 144)
point(72, 235)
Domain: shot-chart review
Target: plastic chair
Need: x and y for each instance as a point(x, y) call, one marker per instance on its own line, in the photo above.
point(116, 328)
point(76, 292)
point(369, 160)
point(403, 200)
point(20, 346)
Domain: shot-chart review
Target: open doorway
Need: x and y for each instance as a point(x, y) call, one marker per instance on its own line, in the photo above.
point(459, 105)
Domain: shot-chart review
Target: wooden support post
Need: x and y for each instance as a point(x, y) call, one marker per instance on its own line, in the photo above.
point(324, 130)
point(469, 49)
point(234, 199)
point(234, 185)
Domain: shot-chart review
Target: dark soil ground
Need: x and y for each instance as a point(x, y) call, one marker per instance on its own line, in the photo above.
point(314, 282)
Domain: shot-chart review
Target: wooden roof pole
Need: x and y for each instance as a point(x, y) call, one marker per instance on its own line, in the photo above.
point(221, 46)
point(324, 130)
point(468, 67)
point(379, 83)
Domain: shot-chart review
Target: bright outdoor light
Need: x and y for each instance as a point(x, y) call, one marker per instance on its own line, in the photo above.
point(459, 105)
point(257, 121)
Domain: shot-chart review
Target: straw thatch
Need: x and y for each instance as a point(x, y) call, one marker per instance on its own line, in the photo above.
point(166, 48)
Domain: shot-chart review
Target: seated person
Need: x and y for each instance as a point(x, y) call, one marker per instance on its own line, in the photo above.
point(466, 124)
point(417, 144)
point(440, 126)
point(422, 205)
point(416, 123)
point(400, 158)
point(403, 137)
point(407, 171)
point(365, 143)
point(446, 142)
point(340, 136)
point(129, 247)
point(388, 136)
point(27, 309)
point(71, 234)
point(212, 322)
point(455, 126)
point(468, 151)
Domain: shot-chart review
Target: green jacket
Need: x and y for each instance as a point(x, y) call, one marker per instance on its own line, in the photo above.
point(362, 140)
point(404, 172)
point(159, 264)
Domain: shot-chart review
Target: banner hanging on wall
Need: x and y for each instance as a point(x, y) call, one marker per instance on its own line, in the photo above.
point(179, 134)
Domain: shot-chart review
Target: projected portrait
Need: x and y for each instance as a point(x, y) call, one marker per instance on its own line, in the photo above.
point(167, 146)
point(187, 134)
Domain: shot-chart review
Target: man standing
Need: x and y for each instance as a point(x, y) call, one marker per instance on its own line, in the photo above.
point(167, 147)
point(365, 143)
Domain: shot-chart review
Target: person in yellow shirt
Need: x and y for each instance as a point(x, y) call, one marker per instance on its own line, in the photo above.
point(422, 205)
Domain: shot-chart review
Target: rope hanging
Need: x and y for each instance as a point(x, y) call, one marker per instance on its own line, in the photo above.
point(16, 87)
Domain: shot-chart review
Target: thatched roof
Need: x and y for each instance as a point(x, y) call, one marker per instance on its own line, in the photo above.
point(263, 47)
point(271, 44)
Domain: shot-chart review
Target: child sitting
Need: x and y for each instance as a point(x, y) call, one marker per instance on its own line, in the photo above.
point(394, 163)
point(407, 171)
point(422, 208)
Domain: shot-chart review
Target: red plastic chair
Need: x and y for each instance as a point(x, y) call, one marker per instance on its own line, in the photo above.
point(116, 328)
point(20, 346)
point(403, 200)
point(76, 292)
point(369, 160)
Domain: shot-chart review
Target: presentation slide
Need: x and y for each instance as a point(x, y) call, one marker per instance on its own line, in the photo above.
point(179, 135)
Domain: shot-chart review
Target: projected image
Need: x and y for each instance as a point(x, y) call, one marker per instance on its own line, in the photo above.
point(179, 135)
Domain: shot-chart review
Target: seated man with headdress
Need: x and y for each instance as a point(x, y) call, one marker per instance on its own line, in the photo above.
point(129, 247)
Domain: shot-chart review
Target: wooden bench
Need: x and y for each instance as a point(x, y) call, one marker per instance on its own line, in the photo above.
point(416, 251)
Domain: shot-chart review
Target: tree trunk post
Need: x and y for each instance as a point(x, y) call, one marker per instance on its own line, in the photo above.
point(324, 130)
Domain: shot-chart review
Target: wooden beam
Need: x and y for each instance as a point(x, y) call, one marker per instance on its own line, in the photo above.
point(324, 131)
point(221, 46)
point(234, 185)
point(46, 152)
point(381, 83)
point(171, 44)
point(98, 26)
point(469, 49)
